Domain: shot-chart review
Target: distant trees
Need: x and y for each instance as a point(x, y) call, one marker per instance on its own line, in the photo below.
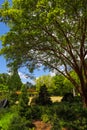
point(48, 81)
point(56, 85)
point(4, 77)
point(9, 84)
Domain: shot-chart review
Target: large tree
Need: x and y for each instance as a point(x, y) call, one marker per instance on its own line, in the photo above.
point(48, 32)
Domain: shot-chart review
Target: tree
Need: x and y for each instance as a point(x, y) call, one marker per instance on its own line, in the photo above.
point(23, 102)
point(14, 82)
point(43, 98)
point(48, 81)
point(4, 81)
point(62, 85)
point(52, 33)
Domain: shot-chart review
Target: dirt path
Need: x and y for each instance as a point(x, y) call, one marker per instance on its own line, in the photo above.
point(42, 126)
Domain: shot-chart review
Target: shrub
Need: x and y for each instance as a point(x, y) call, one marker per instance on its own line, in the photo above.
point(18, 123)
point(23, 102)
point(45, 118)
point(68, 97)
point(36, 112)
point(44, 97)
point(12, 97)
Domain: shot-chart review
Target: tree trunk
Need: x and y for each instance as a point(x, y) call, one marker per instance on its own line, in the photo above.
point(84, 101)
point(84, 95)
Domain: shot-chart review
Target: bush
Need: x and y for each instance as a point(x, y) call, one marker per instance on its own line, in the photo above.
point(56, 122)
point(45, 118)
point(18, 123)
point(44, 97)
point(69, 115)
point(36, 112)
point(68, 97)
point(12, 97)
point(23, 102)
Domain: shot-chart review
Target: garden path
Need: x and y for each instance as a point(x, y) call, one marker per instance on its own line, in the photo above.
point(42, 126)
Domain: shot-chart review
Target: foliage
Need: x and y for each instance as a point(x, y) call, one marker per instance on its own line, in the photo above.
point(58, 84)
point(69, 115)
point(45, 118)
point(35, 112)
point(62, 115)
point(18, 123)
point(59, 115)
point(3, 88)
point(10, 82)
point(14, 82)
point(68, 97)
point(12, 97)
point(43, 97)
point(48, 81)
point(23, 101)
point(4, 82)
point(4, 78)
point(5, 117)
point(62, 84)
point(56, 122)
point(52, 33)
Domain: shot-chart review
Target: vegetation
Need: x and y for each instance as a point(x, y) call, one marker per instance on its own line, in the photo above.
point(23, 102)
point(56, 85)
point(43, 97)
point(14, 82)
point(66, 114)
point(48, 81)
point(53, 34)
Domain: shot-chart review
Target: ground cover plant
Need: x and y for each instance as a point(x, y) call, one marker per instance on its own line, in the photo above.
point(6, 116)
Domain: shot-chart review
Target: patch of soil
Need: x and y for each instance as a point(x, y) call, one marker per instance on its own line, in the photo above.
point(40, 125)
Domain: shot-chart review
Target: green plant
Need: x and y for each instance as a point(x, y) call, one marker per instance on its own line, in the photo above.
point(55, 121)
point(45, 118)
point(5, 120)
point(36, 112)
point(18, 123)
point(43, 97)
point(23, 101)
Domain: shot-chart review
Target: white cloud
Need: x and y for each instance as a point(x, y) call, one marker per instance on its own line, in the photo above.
point(52, 73)
point(22, 76)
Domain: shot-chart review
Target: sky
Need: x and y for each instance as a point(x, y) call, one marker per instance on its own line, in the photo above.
point(3, 68)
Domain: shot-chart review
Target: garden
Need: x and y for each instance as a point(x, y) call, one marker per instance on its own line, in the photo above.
point(67, 114)
point(52, 35)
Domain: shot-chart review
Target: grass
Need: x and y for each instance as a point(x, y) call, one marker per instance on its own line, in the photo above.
point(5, 120)
point(56, 98)
point(53, 98)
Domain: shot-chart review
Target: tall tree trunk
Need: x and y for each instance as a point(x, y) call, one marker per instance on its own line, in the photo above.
point(84, 95)
point(84, 100)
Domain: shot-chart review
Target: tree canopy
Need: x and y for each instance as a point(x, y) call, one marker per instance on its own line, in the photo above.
point(48, 32)
point(45, 80)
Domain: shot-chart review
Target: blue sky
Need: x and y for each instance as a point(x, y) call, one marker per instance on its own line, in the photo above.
point(3, 69)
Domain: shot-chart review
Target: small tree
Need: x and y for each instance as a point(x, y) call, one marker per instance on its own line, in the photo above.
point(23, 102)
point(43, 98)
point(14, 82)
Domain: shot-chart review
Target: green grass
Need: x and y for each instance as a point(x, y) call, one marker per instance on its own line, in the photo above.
point(5, 120)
